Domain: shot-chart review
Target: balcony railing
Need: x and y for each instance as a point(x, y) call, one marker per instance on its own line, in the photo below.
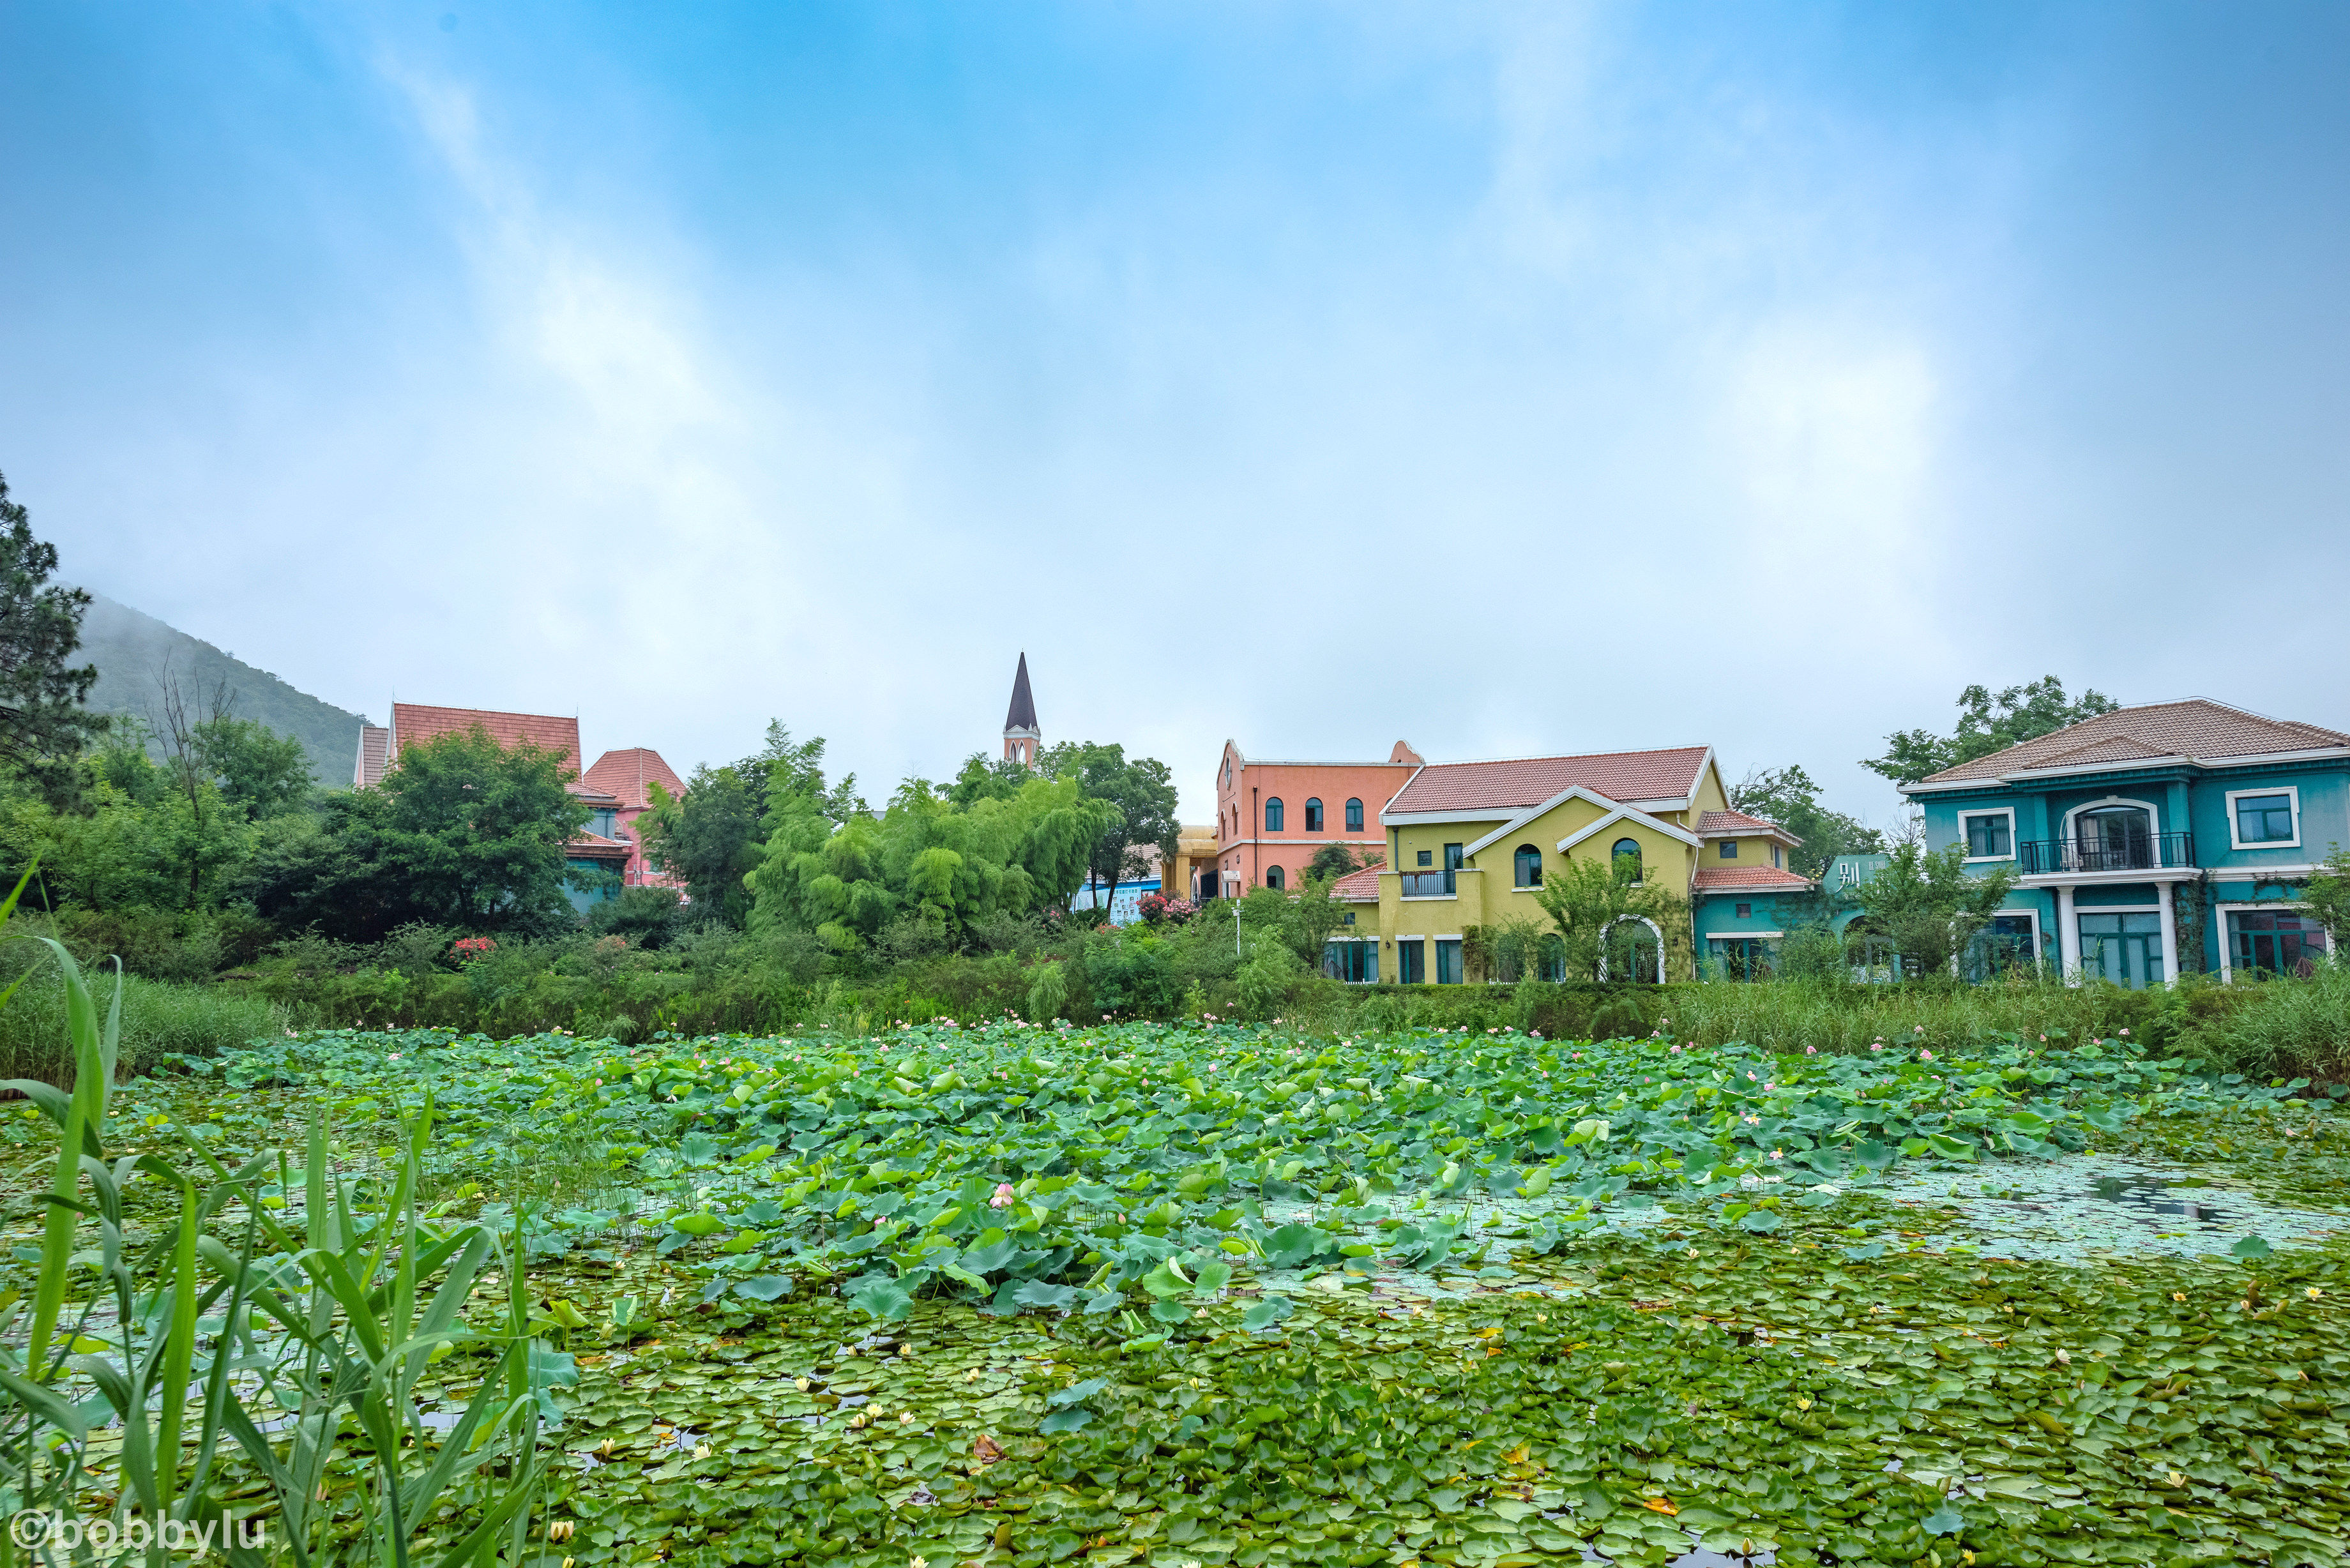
point(2134, 852)
point(1429, 884)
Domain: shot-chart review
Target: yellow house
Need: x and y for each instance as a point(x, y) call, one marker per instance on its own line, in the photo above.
point(1469, 844)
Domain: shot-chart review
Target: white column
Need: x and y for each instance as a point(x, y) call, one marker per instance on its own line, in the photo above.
point(2169, 935)
point(2068, 936)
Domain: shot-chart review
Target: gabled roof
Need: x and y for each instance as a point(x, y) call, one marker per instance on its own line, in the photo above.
point(1511, 784)
point(375, 751)
point(1021, 714)
point(1738, 824)
point(1358, 886)
point(626, 775)
point(1747, 879)
point(2197, 729)
point(413, 723)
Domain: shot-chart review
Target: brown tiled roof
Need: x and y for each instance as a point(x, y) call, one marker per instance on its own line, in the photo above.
point(625, 774)
point(2196, 727)
point(413, 722)
point(1733, 824)
point(375, 747)
point(1747, 879)
point(1514, 783)
point(1358, 886)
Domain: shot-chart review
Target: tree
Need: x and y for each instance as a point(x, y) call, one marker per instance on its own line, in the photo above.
point(226, 773)
point(1142, 792)
point(43, 724)
point(925, 861)
point(710, 837)
point(1988, 722)
point(2327, 895)
point(258, 771)
point(1332, 861)
point(1588, 900)
point(716, 835)
point(1929, 906)
point(1788, 796)
point(463, 832)
point(988, 778)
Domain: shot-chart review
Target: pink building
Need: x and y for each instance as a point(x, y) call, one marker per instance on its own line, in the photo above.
point(616, 791)
point(1270, 817)
point(628, 777)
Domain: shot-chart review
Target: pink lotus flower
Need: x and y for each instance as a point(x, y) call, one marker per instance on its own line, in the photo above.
point(1003, 1198)
point(1878, 1046)
point(1811, 1050)
point(1925, 1055)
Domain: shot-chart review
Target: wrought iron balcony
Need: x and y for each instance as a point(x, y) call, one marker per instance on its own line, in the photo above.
point(2128, 852)
point(1429, 884)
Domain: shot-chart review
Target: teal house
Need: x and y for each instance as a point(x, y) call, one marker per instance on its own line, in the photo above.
point(1743, 897)
point(2153, 841)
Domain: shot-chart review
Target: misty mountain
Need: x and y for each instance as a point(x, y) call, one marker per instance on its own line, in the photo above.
point(131, 650)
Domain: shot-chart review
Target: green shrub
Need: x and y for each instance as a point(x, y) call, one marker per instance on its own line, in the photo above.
point(2281, 1028)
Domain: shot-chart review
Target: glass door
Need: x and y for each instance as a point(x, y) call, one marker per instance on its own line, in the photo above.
point(2115, 838)
point(2124, 948)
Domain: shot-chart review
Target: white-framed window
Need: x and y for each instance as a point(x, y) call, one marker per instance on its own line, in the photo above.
point(2264, 818)
point(1776, 862)
point(2268, 938)
point(1989, 834)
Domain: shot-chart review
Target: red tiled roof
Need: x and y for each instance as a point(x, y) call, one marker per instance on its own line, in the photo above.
point(1747, 879)
point(2196, 727)
point(1731, 824)
point(1359, 886)
point(625, 774)
point(1517, 783)
point(413, 722)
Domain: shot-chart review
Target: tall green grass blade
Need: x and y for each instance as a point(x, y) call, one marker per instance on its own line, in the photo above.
point(84, 1110)
point(180, 1349)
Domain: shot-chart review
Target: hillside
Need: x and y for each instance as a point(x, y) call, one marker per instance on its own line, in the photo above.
point(130, 649)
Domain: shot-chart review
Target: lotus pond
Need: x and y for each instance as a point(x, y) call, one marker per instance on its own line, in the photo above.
point(1187, 1295)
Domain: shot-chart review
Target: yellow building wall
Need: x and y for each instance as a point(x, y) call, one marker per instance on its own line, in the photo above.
point(1485, 890)
point(1709, 795)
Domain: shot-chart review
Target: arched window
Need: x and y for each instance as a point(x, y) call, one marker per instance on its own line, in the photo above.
point(1272, 877)
point(1628, 850)
point(1314, 815)
point(1354, 816)
point(1526, 865)
point(1272, 814)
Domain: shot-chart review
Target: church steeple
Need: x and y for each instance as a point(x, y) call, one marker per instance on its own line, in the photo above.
point(1022, 738)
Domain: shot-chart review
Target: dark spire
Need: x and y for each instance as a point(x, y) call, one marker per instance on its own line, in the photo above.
point(1023, 714)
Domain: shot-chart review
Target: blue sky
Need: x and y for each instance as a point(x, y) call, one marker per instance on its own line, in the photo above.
point(1507, 379)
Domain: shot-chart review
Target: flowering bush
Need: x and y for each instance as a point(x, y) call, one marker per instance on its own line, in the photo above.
point(1158, 907)
point(465, 950)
